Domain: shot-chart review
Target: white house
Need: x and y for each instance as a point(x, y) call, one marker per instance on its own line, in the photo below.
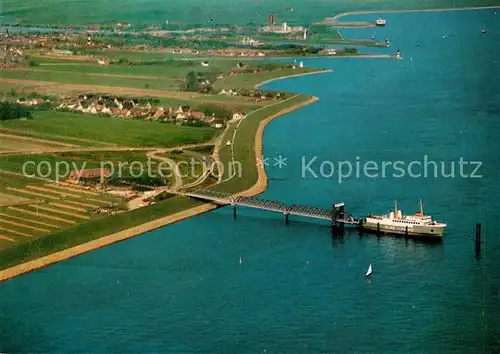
point(106, 110)
point(118, 103)
point(237, 116)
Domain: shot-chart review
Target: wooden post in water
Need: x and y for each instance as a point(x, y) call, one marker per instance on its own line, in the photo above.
point(234, 211)
point(338, 213)
point(478, 240)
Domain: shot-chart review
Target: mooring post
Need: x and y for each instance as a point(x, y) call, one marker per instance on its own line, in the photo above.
point(360, 227)
point(478, 240)
point(234, 211)
point(287, 218)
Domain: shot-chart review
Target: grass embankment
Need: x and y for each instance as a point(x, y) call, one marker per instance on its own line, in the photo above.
point(66, 127)
point(250, 80)
point(244, 146)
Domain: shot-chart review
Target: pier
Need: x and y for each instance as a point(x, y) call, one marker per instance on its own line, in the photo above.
point(337, 215)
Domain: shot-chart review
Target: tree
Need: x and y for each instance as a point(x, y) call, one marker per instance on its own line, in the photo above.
point(14, 111)
point(191, 81)
point(216, 111)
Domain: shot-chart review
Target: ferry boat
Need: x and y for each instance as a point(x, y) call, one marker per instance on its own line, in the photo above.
point(419, 224)
point(380, 22)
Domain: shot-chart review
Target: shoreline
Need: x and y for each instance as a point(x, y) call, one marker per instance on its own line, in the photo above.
point(334, 20)
point(259, 187)
point(294, 75)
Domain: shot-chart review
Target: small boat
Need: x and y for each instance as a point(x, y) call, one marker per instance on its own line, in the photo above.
point(241, 260)
point(369, 271)
point(381, 22)
point(483, 31)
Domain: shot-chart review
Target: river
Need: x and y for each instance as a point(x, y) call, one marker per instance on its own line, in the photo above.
point(182, 288)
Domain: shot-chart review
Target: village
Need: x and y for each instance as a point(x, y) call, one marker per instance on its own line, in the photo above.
point(132, 108)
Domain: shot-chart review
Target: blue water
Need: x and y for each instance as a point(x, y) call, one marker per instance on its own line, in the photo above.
point(182, 289)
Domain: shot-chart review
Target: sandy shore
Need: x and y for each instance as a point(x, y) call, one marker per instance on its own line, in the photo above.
point(261, 184)
point(259, 187)
point(290, 76)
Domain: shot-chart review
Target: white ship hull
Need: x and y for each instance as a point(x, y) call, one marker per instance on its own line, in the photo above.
point(388, 227)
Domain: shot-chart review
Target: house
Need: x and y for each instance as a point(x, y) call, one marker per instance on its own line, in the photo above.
point(182, 109)
point(118, 103)
point(218, 125)
point(102, 62)
point(160, 112)
point(35, 102)
point(238, 116)
point(222, 92)
point(180, 116)
point(62, 52)
point(204, 63)
point(197, 115)
point(116, 111)
point(91, 173)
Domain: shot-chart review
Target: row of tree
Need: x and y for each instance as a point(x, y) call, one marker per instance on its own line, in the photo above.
point(10, 110)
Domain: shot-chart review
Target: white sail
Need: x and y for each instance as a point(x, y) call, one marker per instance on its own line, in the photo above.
point(369, 271)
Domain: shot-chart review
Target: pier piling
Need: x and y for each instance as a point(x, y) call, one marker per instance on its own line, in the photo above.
point(478, 240)
point(234, 211)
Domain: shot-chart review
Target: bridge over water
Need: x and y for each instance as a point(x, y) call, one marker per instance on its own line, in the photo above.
point(337, 215)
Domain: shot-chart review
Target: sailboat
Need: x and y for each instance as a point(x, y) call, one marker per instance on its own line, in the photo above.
point(369, 271)
point(241, 260)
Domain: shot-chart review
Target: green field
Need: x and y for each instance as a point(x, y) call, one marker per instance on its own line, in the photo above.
point(175, 69)
point(156, 12)
point(124, 132)
point(154, 83)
